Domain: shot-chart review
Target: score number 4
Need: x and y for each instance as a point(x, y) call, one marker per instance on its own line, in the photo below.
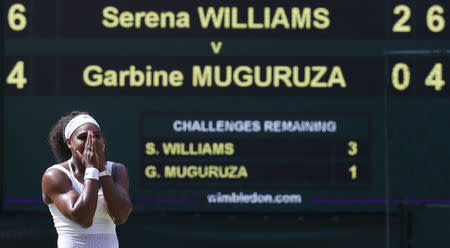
point(17, 75)
point(434, 78)
point(17, 22)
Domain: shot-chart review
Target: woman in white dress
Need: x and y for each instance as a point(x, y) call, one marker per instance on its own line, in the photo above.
point(86, 194)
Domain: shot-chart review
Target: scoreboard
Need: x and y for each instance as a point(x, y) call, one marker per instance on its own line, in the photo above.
point(236, 106)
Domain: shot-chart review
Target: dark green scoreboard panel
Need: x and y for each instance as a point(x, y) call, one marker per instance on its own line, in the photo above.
point(236, 106)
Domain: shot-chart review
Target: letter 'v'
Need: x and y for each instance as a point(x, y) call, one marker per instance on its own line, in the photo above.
point(216, 46)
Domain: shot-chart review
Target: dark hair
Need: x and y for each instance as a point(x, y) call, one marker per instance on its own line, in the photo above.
point(57, 140)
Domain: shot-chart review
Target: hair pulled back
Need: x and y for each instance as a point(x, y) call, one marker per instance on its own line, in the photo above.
point(56, 137)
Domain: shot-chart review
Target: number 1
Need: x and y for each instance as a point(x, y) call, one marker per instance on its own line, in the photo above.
point(353, 171)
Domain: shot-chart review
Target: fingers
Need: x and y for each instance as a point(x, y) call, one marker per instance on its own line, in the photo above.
point(87, 145)
point(92, 142)
point(89, 156)
point(80, 156)
point(92, 153)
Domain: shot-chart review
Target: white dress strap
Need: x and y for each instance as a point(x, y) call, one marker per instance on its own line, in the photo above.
point(75, 183)
point(61, 168)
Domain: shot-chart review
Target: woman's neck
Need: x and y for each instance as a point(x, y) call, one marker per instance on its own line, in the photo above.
point(77, 166)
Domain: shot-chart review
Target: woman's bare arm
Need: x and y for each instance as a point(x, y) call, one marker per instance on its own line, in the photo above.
point(79, 208)
point(115, 192)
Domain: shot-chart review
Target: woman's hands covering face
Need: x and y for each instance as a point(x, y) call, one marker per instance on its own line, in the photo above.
point(90, 157)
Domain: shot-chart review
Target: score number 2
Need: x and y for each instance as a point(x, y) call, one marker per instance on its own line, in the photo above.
point(435, 20)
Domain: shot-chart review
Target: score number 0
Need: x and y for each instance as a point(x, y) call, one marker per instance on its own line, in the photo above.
point(17, 22)
point(434, 78)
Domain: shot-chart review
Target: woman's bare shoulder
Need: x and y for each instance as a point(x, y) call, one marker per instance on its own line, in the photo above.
point(54, 178)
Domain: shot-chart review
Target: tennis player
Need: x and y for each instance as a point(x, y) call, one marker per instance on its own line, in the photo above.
point(86, 194)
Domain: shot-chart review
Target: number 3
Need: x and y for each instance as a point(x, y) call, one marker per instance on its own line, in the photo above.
point(353, 148)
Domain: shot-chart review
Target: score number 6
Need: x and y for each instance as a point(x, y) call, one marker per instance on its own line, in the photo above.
point(435, 21)
point(16, 18)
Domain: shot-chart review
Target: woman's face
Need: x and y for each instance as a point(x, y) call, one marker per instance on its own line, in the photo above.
point(79, 137)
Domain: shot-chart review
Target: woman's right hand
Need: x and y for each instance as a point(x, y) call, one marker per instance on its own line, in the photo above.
point(89, 158)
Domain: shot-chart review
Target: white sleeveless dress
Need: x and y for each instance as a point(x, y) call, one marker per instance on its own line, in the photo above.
point(102, 233)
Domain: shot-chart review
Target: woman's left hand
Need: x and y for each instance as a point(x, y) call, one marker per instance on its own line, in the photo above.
point(102, 158)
